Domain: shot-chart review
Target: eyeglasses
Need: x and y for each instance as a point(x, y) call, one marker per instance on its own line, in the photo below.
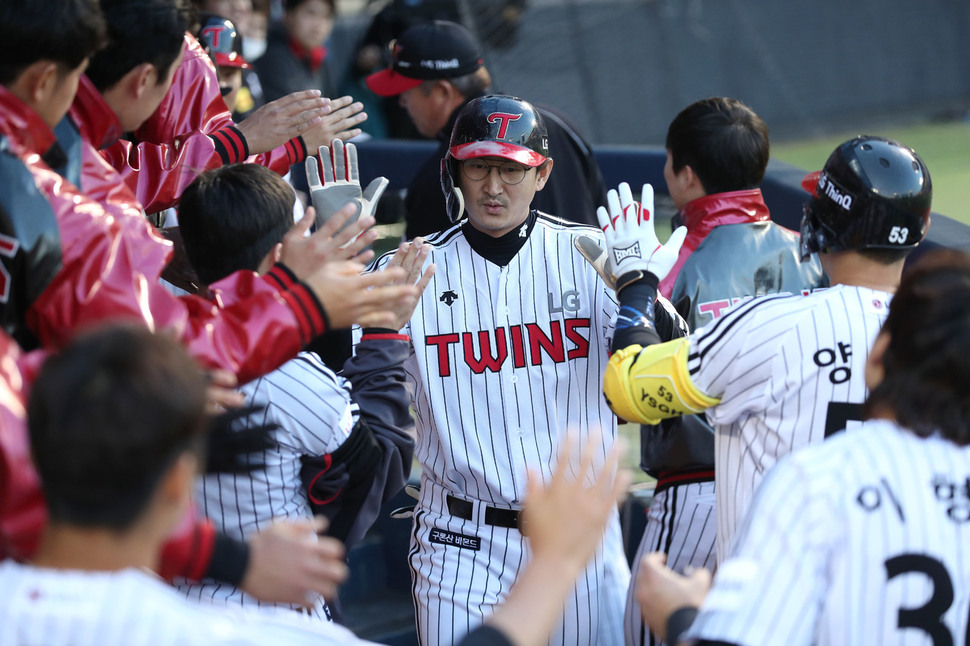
point(510, 172)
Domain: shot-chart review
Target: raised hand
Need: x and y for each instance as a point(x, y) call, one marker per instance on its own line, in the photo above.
point(631, 238)
point(303, 254)
point(410, 257)
point(279, 121)
point(345, 114)
point(661, 591)
point(340, 183)
point(349, 297)
point(290, 563)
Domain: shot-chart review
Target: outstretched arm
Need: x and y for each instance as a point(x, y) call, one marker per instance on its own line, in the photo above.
point(646, 380)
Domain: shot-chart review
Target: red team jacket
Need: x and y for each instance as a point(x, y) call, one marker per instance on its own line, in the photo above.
point(251, 327)
point(22, 509)
point(191, 131)
point(111, 260)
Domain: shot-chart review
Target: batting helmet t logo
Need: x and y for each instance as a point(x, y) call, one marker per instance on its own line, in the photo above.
point(505, 118)
point(212, 35)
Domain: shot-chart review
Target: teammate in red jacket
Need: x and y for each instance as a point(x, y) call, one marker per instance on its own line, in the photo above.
point(68, 263)
point(192, 131)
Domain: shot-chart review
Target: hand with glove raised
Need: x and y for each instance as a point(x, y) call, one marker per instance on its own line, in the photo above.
point(631, 240)
point(341, 183)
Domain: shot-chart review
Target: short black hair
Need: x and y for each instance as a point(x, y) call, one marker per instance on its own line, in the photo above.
point(139, 31)
point(231, 217)
point(107, 416)
point(723, 141)
point(63, 31)
point(927, 375)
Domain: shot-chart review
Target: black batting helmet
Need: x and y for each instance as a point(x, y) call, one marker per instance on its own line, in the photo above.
point(873, 193)
point(493, 126)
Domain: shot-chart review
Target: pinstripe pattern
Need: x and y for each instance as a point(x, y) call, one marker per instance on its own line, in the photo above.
point(776, 363)
point(313, 407)
point(132, 608)
point(680, 523)
point(813, 560)
point(544, 321)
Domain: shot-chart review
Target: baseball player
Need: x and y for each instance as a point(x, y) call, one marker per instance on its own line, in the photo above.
point(117, 480)
point(348, 436)
point(778, 372)
point(508, 345)
point(717, 152)
point(836, 548)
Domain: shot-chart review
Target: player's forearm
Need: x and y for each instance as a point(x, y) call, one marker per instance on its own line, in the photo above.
point(536, 601)
point(635, 323)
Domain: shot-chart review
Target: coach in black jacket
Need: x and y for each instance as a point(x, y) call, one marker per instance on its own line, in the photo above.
point(436, 68)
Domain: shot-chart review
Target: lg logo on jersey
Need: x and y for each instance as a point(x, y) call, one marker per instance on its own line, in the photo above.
point(570, 302)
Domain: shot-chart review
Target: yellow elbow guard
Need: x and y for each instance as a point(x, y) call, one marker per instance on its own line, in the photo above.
point(652, 384)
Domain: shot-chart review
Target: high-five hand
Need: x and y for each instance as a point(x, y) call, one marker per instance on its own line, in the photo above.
point(341, 183)
point(631, 238)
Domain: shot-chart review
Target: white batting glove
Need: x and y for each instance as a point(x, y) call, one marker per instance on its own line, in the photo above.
point(631, 239)
point(341, 183)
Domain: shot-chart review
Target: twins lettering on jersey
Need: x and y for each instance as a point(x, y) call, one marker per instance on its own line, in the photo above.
point(527, 344)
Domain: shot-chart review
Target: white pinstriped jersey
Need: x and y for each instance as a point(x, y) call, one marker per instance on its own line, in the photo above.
point(506, 359)
point(132, 608)
point(783, 367)
point(315, 412)
point(864, 539)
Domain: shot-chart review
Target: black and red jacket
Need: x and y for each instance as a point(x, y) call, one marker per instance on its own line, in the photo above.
point(191, 131)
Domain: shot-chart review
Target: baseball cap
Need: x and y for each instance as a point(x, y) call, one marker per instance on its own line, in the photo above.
point(224, 43)
point(434, 50)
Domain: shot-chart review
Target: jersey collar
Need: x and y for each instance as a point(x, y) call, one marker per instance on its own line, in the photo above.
point(499, 251)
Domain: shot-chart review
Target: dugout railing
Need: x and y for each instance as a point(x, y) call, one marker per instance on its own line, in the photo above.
point(376, 600)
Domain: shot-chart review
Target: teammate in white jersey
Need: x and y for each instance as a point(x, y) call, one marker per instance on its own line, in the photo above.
point(778, 372)
point(344, 442)
point(510, 345)
point(117, 430)
point(864, 539)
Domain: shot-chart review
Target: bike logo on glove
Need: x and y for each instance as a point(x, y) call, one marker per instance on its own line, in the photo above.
point(633, 251)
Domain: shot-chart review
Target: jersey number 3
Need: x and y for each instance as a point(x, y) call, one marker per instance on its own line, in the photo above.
point(929, 616)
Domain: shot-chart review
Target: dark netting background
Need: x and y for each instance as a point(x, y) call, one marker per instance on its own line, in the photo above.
point(623, 68)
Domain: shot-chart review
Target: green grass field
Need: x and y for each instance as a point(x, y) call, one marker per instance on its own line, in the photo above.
point(945, 147)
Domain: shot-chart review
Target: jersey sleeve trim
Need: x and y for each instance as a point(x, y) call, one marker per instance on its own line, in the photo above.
point(296, 150)
point(280, 277)
point(647, 385)
point(231, 144)
point(309, 311)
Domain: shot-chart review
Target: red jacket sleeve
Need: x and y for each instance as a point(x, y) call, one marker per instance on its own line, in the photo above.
point(188, 551)
point(23, 512)
point(111, 263)
point(191, 131)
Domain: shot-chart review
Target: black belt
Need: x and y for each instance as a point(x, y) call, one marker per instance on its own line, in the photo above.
point(495, 516)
